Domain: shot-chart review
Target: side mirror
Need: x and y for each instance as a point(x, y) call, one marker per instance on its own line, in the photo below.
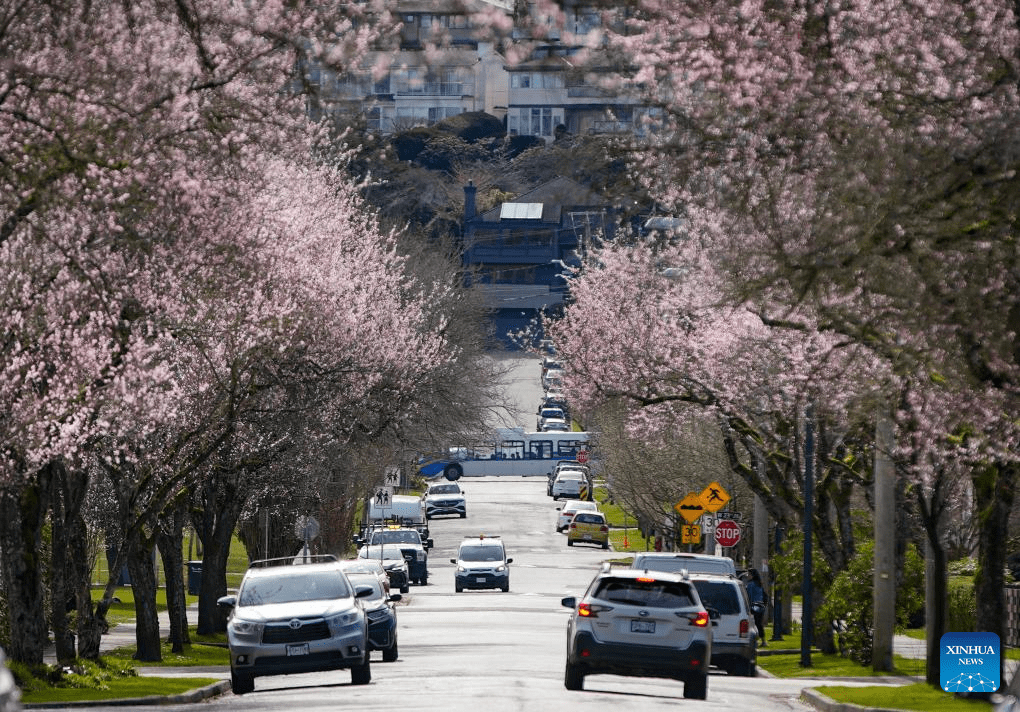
point(568, 602)
point(362, 591)
point(429, 544)
point(509, 561)
point(227, 602)
point(394, 597)
point(453, 561)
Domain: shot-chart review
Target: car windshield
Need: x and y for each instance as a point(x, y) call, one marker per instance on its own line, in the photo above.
point(290, 587)
point(444, 489)
point(381, 551)
point(651, 594)
point(722, 596)
point(396, 537)
point(481, 553)
point(368, 580)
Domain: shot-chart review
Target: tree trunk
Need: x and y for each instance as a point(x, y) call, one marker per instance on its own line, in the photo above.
point(936, 605)
point(143, 585)
point(22, 514)
point(62, 599)
point(994, 489)
point(215, 553)
point(170, 539)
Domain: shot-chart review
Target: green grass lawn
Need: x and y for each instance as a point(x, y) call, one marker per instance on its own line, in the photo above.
point(919, 696)
point(118, 688)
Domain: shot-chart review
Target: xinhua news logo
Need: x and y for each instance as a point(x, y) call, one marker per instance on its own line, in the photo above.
point(969, 662)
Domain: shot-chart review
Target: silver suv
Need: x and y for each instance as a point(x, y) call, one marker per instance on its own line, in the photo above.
point(640, 624)
point(290, 617)
point(444, 498)
point(680, 561)
point(734, 635)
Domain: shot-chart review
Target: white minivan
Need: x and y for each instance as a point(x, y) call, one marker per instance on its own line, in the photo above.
point(676, 561)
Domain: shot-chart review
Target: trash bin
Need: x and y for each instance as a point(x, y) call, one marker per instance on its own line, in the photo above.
point(194, 577)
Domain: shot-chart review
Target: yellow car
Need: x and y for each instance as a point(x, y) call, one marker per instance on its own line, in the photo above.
point(588, 528)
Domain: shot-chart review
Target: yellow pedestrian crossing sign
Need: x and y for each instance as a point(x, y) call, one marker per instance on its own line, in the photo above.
point(690, 507)
point(714, 497)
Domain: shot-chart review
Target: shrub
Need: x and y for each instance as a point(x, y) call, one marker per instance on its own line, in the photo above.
point(962, 614)
point(849, 603)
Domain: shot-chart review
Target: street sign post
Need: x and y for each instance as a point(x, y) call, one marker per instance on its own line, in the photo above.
point(727, 533)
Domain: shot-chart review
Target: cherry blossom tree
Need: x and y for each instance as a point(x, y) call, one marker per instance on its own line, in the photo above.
point(850, 170)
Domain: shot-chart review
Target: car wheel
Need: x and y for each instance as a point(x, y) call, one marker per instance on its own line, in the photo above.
point(405, 588)
point(696, 687)
point(240, 683)
point(362, 674)
point(573, 678)
point(506, 588)
point(424, 580)
point(463, 514)
point(570, 542)
point(453, 472)
point(605, 545)
point(458, 588)
point(746, 668)
point(390, 654)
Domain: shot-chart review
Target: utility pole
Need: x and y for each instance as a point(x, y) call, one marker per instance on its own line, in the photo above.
point(807, 610)
point(884, 588)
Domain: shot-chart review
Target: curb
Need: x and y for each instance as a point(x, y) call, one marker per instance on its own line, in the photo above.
point(197, 695)
point(827, 704)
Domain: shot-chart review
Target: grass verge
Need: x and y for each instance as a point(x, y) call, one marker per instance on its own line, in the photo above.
point(121, 688)
point(919, 696)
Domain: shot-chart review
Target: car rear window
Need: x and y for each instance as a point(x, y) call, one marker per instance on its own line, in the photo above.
point(589, 518)
point(652, 594)
point(719, 595)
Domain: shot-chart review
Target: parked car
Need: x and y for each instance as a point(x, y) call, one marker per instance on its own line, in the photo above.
point(588, 528)
point(392, 559)
point(290, 617)
point(568, 483)
point(555, 425)
point(10, 694)
point(550, 414)
point(410, 542)
point(444, 498)
point(635, 624)
point(566, 465)
point(382, 615)
point(481, 563)
point(734, 635)
point(366, 566)
point(570, 508)
point(679, 561)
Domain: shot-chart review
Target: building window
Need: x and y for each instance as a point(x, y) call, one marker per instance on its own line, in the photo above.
point(534, 121)
point(537, 80)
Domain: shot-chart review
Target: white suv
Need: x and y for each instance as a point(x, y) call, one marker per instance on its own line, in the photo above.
point(680, 561)
point(734, 635)
point(633, 623)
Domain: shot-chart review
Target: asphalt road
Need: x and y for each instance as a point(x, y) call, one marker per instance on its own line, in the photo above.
point(495, 651)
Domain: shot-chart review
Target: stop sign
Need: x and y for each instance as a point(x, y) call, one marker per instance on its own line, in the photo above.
point(582, 456)
point(727, 532)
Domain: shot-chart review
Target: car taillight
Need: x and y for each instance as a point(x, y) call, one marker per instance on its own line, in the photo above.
point(604, 528)
point(591, 610)
point(744, 628)
point(573, 526)
point(701, 620)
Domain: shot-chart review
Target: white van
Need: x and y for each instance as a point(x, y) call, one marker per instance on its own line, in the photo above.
point(675, 561)
point(406, 510)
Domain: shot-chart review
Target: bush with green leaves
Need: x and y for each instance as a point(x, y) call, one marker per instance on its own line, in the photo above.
point(961, 615)
point(849, 603)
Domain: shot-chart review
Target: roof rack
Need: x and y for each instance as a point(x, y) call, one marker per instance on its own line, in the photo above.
point(297, 560)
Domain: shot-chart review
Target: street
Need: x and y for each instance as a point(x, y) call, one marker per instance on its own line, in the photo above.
point(498, 651)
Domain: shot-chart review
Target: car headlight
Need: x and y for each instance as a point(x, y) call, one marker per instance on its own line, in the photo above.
point(343, 621)
point(245, 628)
point(501, 568)
point(420, 555)
point(378, 614)
point(461, 570)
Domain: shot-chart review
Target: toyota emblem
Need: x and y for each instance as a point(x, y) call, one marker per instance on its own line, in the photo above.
point(642, 613)
point(294, 623)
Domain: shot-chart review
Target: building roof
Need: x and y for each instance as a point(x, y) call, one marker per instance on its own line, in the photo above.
point(553, 195)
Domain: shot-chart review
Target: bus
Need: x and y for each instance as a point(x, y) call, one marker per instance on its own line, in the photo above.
point(511, 452)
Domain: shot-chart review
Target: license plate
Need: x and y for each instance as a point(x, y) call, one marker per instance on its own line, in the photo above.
point(642, 626)
point(480, 579)
point(301, 649)
point(587, 536)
